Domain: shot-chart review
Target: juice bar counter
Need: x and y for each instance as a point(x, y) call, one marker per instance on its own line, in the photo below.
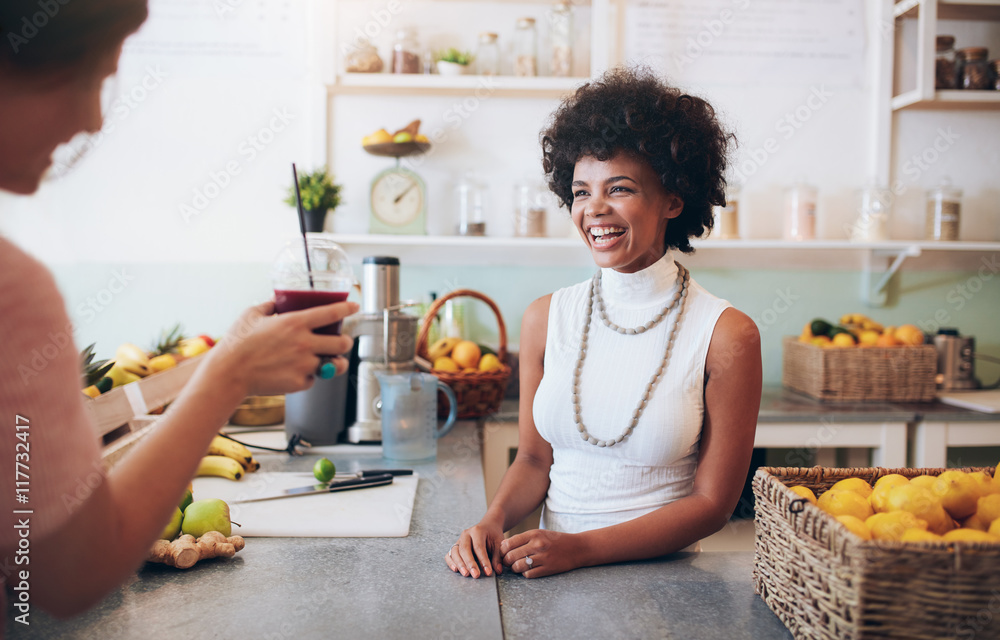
point(400, 587)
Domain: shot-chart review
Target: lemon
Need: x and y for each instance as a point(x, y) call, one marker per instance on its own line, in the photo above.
point(444, 363)
point(973, 522)
point(924, 481)
point(985, 483)
point(855, 526)
point(868, 338)
point(857, 485)
point(820, 341)
point(988, 508)
point(970, 535)
point(805, 492)
point(995, 528)
point(921, 503)
point(958, 493)
point(883, 486)
point(844, 503)
point(490, 362)
point(892, 526)
point(324, 470)
point(919, 535)
point(843, 340)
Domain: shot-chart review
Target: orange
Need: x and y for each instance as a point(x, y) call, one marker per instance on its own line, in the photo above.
point(887, 340)
point(466, 354)
point(910, 334)
point(444, 363)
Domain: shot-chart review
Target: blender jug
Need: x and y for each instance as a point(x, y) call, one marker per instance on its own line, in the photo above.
point(409, 415)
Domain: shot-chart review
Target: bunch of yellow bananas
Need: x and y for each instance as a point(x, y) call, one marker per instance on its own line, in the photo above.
point(227, 459)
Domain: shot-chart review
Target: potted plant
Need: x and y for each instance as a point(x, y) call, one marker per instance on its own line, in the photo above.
point(452, 62)
point(319, 195)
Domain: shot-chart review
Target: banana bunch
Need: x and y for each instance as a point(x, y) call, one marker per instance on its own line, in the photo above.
point(227, 459)
point(857, 322)
point(441, 348)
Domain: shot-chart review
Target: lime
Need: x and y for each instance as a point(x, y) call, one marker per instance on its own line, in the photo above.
point(324, 470)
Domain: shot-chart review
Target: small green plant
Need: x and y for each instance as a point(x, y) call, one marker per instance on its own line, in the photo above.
point(452, 54)
point(319, 193)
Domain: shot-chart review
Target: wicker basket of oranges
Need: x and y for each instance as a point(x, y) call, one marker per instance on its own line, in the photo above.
point(478, 380)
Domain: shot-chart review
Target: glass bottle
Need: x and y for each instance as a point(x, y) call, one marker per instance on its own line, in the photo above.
point(530, 210)
point(488, 55)
point(561, 37)
point(800, 212)
point(727, 218)
point(944, 211)
point(525, 48)
point(975, 71)
point(405, 56)
point(944, 63)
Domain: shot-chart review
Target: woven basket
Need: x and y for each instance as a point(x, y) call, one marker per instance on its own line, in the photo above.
point(478, 393)
point(824, 582)
point(870, 374)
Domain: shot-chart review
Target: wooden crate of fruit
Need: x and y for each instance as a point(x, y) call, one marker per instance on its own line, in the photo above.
point(890, 576)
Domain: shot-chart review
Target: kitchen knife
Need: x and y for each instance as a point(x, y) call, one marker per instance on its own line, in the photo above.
point(343, 485)
point(367, 473)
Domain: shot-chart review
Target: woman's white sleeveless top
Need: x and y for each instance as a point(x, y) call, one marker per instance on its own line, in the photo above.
point(592, 487)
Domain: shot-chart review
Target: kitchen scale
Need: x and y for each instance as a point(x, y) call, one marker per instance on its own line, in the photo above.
point(398, 195)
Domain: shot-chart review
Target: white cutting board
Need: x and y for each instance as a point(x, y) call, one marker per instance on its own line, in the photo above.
point(376, 512)
point(985, 401)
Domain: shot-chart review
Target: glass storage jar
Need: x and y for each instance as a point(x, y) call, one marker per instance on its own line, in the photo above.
point(525, 48)
point(727, 219)
point(405, 52)
point(561, 39)
point(872, 224)
point(944, 211)
point(975, 70)
point(530, 210)
point(470, 206)
point(995, 68)
point(800, 212)
point(488, 55)
point(363, 58)
point(944, 63)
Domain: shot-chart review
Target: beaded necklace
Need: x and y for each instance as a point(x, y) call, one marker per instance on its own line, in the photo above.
point(683, 276)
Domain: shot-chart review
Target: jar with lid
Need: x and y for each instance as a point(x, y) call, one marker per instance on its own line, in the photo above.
point(530, 209)
point(944, 63)
point(995, 68)
point(944, 210)
point(872, 224)
point(727, 219)
point(800, 212)
point(525, 48)
point(363, 58)
point(561, 39)
point(470, 206)
point(405, 52)
point(975, 70)
point(488, 55)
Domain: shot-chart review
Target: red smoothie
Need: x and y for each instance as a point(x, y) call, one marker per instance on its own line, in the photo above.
point(285, 300)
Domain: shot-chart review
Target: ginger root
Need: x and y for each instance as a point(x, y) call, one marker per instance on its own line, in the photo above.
point(185, 551)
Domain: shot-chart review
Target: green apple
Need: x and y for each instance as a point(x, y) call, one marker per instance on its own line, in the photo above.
point(174, 527)
point(202, 516)
point(402, 136)
point(186, 500)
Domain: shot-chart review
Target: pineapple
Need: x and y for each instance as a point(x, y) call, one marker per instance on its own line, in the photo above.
point(93, 371)
point(169, 341)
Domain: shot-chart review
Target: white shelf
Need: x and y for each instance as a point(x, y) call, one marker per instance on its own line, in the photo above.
point(952, 9)
point(948, 100)
point(437, 85)
point(758, 253)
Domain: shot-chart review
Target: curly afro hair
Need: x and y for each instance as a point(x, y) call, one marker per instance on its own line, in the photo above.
point(632, 111)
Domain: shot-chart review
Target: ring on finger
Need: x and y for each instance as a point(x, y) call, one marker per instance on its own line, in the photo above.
point(528, 561)
point(326, 368)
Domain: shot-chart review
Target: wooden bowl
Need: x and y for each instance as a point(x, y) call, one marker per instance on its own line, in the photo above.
point(397, 149)
point(259, 411)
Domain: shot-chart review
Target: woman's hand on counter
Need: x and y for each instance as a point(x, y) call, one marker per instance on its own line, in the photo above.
point(477, 551)
point(551, 552)
point(274, 353)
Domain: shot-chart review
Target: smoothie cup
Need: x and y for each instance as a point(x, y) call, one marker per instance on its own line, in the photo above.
point(329, 281)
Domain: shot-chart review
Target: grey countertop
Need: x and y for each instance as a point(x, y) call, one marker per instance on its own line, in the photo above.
point(779, 405)
point(400, 587)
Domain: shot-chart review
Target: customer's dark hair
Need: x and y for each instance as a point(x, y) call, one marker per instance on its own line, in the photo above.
point(633, 111)
point(63, 38)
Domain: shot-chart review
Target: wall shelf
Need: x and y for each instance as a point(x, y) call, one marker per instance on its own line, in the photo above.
point(736, 254)
point(952, 9)
point(437, 85)
point(948, 100)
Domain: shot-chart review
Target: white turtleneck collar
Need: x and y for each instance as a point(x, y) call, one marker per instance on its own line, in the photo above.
point(650, 286)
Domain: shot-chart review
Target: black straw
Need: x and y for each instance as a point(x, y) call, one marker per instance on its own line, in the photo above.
point(302, 224)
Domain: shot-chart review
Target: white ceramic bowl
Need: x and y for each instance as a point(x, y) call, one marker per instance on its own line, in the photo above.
point(451, 68)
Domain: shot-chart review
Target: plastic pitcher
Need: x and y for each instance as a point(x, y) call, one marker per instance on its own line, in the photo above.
point(409, 415)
